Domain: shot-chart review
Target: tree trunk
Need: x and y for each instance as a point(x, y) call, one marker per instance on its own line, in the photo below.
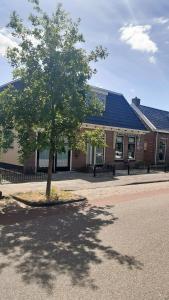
point(49, 178)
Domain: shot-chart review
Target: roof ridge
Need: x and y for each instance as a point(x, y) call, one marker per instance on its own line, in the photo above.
point(155, 108)
point(105, 90)
point(10, 82)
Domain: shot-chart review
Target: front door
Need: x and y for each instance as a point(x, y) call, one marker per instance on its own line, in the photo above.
point(62, 160)
point(43, 160)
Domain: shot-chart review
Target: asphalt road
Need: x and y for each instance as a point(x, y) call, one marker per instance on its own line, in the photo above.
point(102, 250)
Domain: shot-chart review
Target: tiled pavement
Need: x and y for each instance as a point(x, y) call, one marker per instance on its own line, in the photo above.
point(86, 184)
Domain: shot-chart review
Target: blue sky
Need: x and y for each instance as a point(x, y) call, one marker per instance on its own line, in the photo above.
point(135, 32)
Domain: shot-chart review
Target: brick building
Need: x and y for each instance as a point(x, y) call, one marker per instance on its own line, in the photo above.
point(124, 136)
point(156, 145)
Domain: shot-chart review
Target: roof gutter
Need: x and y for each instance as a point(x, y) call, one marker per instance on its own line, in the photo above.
point(162, 131)
point(116, 129)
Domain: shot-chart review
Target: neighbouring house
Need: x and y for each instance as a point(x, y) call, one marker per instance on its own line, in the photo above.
point(156, 142)
point(124, 136)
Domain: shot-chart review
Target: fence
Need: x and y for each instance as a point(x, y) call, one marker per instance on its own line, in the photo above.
point(129, 169)
point(14, 176)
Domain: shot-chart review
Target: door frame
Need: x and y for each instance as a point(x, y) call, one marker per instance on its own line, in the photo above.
point(54, 167)
point(67, 168)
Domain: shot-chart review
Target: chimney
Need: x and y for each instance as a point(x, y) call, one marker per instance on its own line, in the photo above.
point(136, 101)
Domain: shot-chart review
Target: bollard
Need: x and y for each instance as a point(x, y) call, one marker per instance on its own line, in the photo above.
point(148, 169)
point(128, 167)
point(114, 171)
point(94, 171)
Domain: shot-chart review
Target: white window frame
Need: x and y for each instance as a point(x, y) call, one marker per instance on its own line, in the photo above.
point(90, 157)
point(119, 135)
point(165, 140)
point(95, 155)
point(131, 136)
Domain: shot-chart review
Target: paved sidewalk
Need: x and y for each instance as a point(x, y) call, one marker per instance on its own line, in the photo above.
point(85, 183)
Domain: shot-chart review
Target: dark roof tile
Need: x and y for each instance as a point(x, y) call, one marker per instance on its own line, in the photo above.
point(118, 113)
point(159, 118)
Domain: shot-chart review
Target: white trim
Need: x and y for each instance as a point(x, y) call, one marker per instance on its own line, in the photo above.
point(143, 117)
point(163, 131)
point(103, 91)
point(70, 160)
point(36, 161)
point(156, 147)
point(94, 155)
point(89, 155)
point(116, 129)
point(114, 140)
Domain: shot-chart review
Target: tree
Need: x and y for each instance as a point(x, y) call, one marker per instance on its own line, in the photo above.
point(54, 98)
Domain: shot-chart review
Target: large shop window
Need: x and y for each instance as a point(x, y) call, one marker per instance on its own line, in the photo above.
point(131, 147)
point(162, 150)
point(119, 147)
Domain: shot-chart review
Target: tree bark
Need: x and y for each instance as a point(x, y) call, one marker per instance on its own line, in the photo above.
point(49, 177)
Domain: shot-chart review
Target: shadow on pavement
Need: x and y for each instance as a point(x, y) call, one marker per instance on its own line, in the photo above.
point(44, 243)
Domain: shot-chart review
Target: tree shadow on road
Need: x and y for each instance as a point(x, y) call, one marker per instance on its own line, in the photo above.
point(42, 244)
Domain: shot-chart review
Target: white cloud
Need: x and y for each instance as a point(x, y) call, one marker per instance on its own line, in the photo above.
point(161, 20)
point(138, 38)
point(6, 40)
point(152, 60)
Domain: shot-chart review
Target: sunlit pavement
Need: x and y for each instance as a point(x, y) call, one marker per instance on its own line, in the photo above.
point(114, 247)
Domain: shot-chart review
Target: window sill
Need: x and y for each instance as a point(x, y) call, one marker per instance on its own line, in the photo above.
point(119, 159)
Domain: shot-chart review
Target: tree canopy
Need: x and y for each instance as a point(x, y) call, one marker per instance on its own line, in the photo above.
point(54, 97)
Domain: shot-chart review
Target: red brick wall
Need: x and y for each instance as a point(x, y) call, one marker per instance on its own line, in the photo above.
point(109, 151)
point(79, 158)
point(150, 147)
point(150, 152)
point(140, 148)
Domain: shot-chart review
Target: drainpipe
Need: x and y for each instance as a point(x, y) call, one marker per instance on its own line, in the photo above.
point(156, 147)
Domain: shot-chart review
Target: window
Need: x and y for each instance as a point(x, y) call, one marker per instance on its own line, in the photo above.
point(131, 147)
point(102, 98)
point(62, 160)
point(162, 150)
point(95, 155)
point(101, 95)
point(43, 158)
point(119, 147)
point(99, 158)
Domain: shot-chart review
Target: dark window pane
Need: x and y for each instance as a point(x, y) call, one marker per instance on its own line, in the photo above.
point(119, 147)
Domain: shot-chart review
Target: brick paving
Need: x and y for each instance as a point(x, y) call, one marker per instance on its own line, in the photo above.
point(87, 185)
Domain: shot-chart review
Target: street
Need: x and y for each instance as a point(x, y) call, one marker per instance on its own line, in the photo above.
point(116, 246)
